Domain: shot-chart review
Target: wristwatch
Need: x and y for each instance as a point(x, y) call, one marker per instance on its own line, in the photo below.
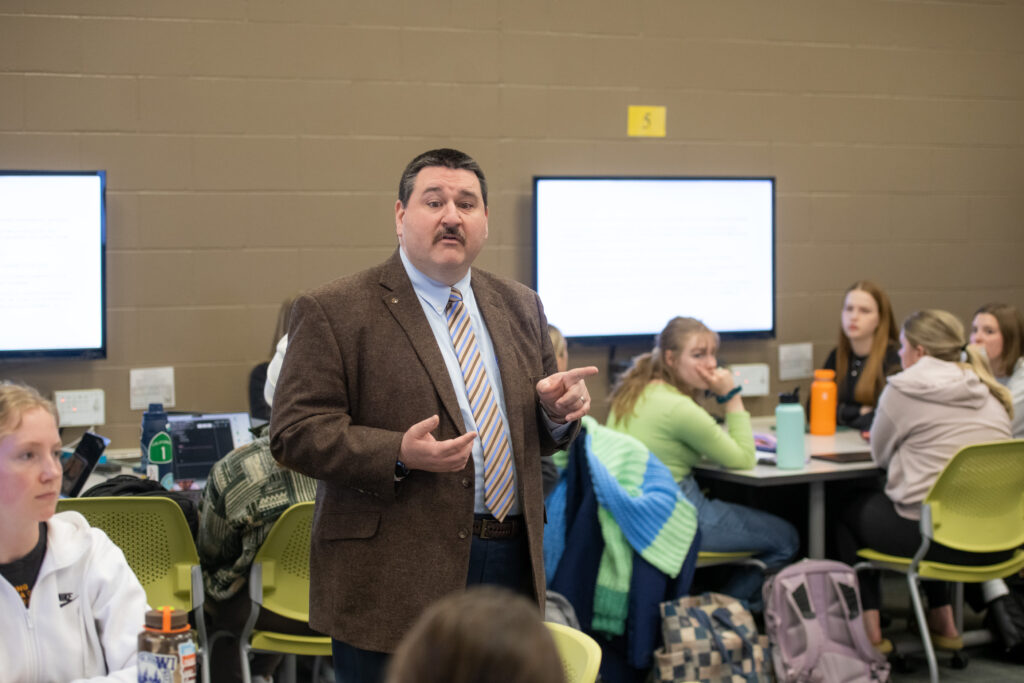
point(401, 471)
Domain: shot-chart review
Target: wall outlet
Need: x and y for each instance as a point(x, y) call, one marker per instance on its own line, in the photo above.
point(80, 407)
point(753, 377)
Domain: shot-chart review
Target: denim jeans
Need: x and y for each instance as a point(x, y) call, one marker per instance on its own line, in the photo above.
point(729, 527)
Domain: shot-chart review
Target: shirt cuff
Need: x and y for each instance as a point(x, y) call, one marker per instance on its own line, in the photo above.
point(558, 432)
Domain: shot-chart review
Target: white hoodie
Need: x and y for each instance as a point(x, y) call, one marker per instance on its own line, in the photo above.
point(84, 616)
point(924, 416)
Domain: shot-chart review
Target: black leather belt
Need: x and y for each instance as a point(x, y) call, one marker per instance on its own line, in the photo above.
point(489, 527)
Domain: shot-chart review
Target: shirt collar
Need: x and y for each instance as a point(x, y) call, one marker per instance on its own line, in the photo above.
point(436, 294)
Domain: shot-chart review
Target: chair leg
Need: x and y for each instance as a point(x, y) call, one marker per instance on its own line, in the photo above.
point(288, 672)
point(958, 607)
point(922, 623)
point(243, 655)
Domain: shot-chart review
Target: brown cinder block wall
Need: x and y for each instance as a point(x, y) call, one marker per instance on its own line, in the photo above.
point(253, 148)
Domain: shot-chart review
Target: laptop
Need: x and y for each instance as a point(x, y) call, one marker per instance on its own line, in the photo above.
point(79, 465)
point(199, 440)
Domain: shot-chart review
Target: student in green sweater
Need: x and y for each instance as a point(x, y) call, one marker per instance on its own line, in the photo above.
point(654, 401)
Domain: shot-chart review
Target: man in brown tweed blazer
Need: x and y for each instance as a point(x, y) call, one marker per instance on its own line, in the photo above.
point(372, 403)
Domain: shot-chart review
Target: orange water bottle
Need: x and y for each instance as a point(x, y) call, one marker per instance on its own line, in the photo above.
point(823, 403)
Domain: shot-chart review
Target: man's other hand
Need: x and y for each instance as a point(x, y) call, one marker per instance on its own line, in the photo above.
point(564, 395)
point(421, 451)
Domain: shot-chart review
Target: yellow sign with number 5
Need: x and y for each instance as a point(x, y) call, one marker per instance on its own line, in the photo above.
point(645, 122)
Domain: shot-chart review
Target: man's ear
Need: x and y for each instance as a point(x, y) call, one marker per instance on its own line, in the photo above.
point(399, 217)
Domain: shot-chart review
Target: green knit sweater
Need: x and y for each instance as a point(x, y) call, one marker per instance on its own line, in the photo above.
point(680, 432)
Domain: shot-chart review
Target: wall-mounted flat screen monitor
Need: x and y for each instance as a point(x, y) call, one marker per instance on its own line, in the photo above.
point(617, 257)
point(52, 264)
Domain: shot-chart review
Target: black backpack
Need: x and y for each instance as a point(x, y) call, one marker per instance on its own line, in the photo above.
point(130, 485)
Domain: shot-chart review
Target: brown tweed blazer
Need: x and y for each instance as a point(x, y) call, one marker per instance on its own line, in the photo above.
point(362, 366)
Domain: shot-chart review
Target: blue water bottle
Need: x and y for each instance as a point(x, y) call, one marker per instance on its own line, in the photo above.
point(157, 449)
point(789, 432)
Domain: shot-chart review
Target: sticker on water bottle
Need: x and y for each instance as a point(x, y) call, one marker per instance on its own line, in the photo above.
point(187, 652)
point(157, 668)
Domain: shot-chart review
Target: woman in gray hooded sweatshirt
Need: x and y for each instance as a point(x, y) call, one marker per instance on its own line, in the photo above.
point(945, 398)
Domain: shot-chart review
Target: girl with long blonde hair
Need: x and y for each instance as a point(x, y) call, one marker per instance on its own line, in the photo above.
point(655, 401)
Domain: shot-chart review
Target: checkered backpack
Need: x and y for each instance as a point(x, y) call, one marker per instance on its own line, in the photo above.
point(813, 618)
point(710, 638)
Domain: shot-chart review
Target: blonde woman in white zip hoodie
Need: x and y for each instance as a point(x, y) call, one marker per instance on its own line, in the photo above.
point(945, 398)
point(70, 606)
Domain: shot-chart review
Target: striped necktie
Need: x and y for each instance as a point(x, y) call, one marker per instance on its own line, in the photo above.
point(498, 480)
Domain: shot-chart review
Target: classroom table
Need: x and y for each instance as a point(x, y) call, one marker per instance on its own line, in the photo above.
point(815, 474)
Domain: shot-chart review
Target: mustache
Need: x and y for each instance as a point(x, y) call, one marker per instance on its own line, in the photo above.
point(450, 232)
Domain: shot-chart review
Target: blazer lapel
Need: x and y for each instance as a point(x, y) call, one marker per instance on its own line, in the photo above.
point(400, 298)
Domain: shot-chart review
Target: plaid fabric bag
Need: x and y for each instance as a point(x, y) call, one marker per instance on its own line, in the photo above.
point(711, 638)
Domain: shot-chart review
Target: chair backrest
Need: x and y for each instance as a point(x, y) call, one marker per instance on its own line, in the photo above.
point(155, 539)
point(284, 560)
point(977, 503)
point(580, 654)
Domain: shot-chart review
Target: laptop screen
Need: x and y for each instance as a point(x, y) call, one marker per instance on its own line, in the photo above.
point(200, 440)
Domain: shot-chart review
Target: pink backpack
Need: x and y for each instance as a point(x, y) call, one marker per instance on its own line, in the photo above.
point(813, 619)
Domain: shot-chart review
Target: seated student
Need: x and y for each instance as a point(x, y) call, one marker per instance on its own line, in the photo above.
point(246, 492)
point(999, 329)
point(548, 468)
point(865, 355)
point(70, 606)
point(259, 399)
point(654, 401)
point(945, 398)
point(485, 633)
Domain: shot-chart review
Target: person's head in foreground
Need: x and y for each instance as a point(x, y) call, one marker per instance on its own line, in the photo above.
point(30, 469)
point(483, 634)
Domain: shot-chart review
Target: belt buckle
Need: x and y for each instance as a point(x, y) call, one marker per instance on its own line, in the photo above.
point(484, 523)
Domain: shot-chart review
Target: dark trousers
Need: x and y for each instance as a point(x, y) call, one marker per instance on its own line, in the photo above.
point(230, 615)
point(870, 520)
point(503, 562)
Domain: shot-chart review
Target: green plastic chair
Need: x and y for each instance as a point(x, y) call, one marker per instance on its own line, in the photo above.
point(279, 582)
point(708, 558)
point(580, 654)
point(976, 505)
point(156, 541)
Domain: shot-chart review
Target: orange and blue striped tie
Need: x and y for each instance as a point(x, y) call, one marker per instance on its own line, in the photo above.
point(498, 480)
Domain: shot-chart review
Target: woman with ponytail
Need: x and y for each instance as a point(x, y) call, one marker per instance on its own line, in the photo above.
point(945, 398)
point(865, 354)
point(655, 401)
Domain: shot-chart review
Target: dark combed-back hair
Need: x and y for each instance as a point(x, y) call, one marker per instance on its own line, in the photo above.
point(485, 633)
point(446, 158)
point(651, 366)
point(941, 336)
point(1011, 326)
point(872, 377)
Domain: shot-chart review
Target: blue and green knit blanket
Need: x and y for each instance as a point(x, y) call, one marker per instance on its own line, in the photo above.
point(640, 508)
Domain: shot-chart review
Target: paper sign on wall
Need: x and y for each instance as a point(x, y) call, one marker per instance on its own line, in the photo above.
point(151, 385)
point(796, 361)
point(645, 122)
